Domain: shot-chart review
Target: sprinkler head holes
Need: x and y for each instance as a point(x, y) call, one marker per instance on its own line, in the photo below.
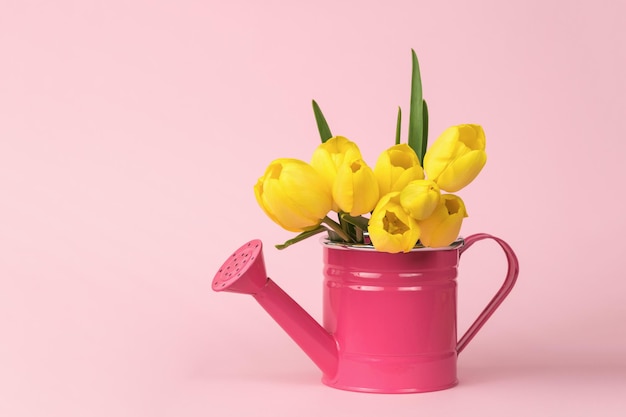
point(243, 271)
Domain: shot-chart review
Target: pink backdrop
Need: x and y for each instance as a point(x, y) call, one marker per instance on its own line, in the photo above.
point(131, 133)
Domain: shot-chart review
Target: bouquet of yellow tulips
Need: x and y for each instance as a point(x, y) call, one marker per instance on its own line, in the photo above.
point(405, 201)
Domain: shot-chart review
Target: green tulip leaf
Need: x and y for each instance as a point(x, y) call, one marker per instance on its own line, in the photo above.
point(302, 236)
point(337, 229)
point(356, 221)
point(322, 125)
point(425, 130)
point(398, 125)
point(416, 112)
point(354, 226)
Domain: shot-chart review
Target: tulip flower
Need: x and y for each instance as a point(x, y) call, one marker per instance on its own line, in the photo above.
point(390, 228)
point(456, 157)
point(396, 167)
point(293, 194)
point(420, 198)
point(355, 189)
point(444, 224)
point(330, 155)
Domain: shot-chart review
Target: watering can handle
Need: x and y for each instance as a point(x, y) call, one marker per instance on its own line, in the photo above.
point(507, 286)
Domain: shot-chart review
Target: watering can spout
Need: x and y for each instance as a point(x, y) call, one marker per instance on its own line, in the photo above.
point(244, 272)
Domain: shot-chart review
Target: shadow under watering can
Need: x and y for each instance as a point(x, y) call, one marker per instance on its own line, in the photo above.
point(389, 319)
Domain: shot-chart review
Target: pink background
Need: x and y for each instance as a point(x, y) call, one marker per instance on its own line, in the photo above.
point(131, 133)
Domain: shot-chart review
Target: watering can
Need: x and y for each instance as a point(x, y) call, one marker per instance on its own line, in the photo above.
point(389, 319)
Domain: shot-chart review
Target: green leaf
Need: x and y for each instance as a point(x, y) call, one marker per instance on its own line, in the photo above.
point(354, 226)
point(398, 125)
point(337, 228)
point(425, 130)
point(359, 222)
point(416, 112)
point(302, 236)
point(322, 125)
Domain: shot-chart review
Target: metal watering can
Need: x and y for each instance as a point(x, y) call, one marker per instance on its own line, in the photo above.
point(389, 319)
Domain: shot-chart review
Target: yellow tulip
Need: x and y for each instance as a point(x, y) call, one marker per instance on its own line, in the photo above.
point(420, 198)
point(396, 167)
point(355, 189)
point(390, 228)
point(330, 155)
point(443, 226)
point(456, 157)
point(293, 194)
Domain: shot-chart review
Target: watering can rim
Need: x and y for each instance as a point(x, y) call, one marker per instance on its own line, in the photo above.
point(325, 241)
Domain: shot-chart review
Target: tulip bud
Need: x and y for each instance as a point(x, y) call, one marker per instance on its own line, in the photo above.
point(456, 157)
point(396, 167)
point(355, 189)
point(293, 195)
point(330, 155)
point(444, 224)
point(420, 198)
point(390, 228)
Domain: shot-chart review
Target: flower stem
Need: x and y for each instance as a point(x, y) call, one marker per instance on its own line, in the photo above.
point(337, 229)
point(302, 236)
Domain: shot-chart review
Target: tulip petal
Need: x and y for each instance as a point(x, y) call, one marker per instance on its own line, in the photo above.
point(288, 213)
point(446, 232)
point(293, 195)
point(462, 171)
point(396, 167)
point(330, 155)
point(444, 225)
point(355, 189)
point(391, 229)
point(420, 198)
point(259, 195)
point(456, 157)
point(306, 190)
point(411, 174)
point(472, 136)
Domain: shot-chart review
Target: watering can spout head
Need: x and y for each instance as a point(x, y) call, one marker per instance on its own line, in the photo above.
point(244, 272)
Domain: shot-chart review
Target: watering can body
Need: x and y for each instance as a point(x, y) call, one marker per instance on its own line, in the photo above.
point(393, 317)
point(389, 320)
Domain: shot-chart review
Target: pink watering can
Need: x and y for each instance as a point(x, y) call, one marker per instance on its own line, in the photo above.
point(389, 319)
